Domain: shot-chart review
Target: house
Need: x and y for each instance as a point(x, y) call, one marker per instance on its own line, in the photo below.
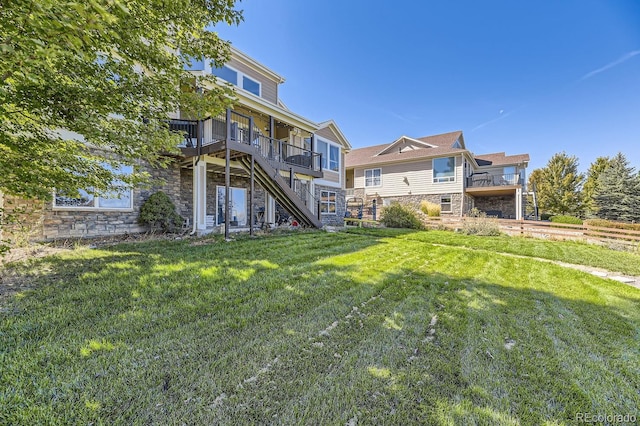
point(439, 169)
point(270, 163)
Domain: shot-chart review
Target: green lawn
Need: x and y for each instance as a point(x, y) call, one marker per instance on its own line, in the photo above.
point(366, 327)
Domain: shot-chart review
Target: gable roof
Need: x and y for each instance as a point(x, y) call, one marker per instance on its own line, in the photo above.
point(331, 125)
point(404, 139)
point(500, 159)
point(436, 146)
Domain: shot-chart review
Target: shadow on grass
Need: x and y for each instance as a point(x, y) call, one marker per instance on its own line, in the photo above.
point(308, 329)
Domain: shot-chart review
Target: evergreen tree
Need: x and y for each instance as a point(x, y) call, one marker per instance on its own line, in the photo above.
point(618, 192)
point(591, 184)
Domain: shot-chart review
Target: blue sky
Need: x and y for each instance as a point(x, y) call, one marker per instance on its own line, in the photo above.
point(533, 77)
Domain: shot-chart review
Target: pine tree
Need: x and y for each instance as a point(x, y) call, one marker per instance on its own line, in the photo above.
point(591, 184)
point(618, 192)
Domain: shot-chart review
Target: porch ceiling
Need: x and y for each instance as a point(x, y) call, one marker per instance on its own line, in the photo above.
point(492, 191)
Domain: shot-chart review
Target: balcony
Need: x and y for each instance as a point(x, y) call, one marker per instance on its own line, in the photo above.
point(240, 129)
point(484, 180)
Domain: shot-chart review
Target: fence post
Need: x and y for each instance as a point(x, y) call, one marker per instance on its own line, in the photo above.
point(373, 209)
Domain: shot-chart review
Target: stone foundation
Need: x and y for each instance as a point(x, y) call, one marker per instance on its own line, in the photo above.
point(336, 219)
point(415, 200)
point(504, 204)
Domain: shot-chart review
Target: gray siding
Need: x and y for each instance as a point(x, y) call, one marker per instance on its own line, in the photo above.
point(269, 88)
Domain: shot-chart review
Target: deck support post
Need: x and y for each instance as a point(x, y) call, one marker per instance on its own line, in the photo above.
point(227, 178)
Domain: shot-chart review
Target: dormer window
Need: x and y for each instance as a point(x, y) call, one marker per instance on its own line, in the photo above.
point(238, 79)
point(457, 144)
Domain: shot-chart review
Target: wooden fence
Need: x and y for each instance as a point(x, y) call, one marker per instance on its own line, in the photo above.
point(555, 230)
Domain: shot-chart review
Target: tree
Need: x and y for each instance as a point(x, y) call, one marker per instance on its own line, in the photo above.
point(80, 77)
point(591, 184)
point(618, 193)
point(558, 185)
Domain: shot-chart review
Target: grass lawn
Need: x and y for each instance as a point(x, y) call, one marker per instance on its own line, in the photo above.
point(365, 327)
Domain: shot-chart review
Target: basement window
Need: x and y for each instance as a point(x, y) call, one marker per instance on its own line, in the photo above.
point(445, 203)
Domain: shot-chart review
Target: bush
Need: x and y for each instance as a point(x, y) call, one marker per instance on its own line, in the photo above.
point(430, 209)
point(603, 223)
point(477, 223)
point(400, 216)
point(566, 219)
point(545, 216)
point(159, 212)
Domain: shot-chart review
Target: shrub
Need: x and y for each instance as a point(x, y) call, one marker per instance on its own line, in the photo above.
point(398, 215)
point(477, 223)
point(566, 219)
point(545, 216)
point(603, 223)
point(159, 212)
point(430, 209)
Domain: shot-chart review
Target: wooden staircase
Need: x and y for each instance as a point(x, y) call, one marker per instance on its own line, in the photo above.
point(270, 179)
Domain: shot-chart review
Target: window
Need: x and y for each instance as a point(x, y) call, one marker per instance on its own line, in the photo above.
point(373, 177)
point(250, 85)
point(445, 203)
point(327, 202)
point(444, 169)
point(227, 74)
point(237, 204)
point(237, 78)
point(509, 175)
point(118, 199)
point(330, 155)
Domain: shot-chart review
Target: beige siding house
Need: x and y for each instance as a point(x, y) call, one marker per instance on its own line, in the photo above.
point(258, 163)
point(439, 169)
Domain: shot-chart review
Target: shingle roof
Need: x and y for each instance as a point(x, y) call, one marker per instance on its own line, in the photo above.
point(369, 155)
point(500, 158)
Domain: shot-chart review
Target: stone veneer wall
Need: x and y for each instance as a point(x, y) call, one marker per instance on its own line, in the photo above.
point(72, 223)
point(26, 220)
point(213, 180)
point(505, 204)
point(336, 219)
point(415, 200)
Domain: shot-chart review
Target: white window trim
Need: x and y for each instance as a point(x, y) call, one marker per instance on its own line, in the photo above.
point(365, 178)
point(95, 206)
point(335, 212)
point(241, 77)
point(450, 197)
point(448, 179)
point(215, 216)
point(329, 145)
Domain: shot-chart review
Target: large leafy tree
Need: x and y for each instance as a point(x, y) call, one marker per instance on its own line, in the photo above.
point(617, 196)
point(558, 185)
point(77, 77)
point(591, 184)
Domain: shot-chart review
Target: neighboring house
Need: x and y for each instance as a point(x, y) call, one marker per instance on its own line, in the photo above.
point(295, 166)
point(439, 169)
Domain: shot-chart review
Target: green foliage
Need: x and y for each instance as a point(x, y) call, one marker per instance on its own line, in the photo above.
point(477, 223)
point(400, 216)
point(546, 216)
point(566, 219)
point(603, 223)
point(159, 212)
point(558, 185)
point(617, 196)
point(591, 184)
point(430, 209)
point(109, 72)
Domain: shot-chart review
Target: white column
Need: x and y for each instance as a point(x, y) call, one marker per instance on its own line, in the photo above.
point(519, 203)
point(200, 189)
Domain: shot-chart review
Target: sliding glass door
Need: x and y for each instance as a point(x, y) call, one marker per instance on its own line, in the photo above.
point(237, 203)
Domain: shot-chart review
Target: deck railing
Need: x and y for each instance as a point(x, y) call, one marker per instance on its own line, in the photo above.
point(214, 129)
point(487, 179)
